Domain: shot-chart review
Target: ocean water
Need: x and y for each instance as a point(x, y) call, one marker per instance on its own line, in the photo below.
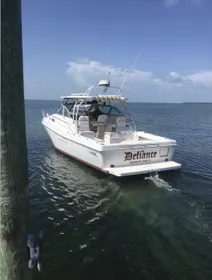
point(145, 227)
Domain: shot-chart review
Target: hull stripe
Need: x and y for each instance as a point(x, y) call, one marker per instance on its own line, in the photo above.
point(85, 162)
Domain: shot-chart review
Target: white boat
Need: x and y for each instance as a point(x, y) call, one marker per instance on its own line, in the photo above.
point(98, 130)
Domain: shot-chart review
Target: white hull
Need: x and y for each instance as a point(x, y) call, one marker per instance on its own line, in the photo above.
point(93, 130)
point(75, 150)
point(139, 157)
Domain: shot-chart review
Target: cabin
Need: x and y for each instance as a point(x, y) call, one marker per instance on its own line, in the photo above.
point(99, 117)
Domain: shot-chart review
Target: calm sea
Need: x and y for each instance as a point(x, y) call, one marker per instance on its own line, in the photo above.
point(144, 227)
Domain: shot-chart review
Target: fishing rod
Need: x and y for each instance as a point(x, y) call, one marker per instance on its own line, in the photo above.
point(130, 69)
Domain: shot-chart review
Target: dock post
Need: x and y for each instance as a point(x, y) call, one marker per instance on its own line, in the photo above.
point(14, 165)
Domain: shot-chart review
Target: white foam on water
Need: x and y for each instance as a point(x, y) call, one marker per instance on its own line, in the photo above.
point(83, 246)
point(71, 203)
point(70, 216)
point(44, 188)
point(50, 193)
point(160, 183)
point(92, 220)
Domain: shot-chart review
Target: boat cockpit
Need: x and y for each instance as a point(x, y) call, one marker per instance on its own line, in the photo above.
point(93, 112)
point(98, 116)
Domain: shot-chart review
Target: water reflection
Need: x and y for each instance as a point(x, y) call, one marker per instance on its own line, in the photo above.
point(91, 220)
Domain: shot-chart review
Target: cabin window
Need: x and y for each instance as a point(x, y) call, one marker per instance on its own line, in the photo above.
point(68, 103)
point(109, 110)
point(114, 112)
point(105, 109)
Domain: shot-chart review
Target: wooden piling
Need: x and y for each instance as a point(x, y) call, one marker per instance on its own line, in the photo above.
point(14, 170)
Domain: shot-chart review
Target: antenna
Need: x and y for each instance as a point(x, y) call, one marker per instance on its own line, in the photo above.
point(109, 78)
point(130, 69)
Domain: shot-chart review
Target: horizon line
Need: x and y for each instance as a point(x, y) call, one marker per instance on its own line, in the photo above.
point(164, 102)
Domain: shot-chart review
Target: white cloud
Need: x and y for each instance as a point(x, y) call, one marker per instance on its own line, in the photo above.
point(204, 78)
point(88, 72)
point(142, 84)
point(175, 77)
point(169, 3)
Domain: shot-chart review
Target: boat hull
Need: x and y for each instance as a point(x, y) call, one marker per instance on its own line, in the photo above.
point(125, 161)
point(75, 150)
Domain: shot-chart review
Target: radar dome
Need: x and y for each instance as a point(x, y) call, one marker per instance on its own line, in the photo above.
point(104, 83)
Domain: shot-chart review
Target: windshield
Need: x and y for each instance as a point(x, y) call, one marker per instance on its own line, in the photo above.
point(110, 110)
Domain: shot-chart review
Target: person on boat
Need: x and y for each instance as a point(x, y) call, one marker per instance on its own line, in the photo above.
point(95, 113)
point(93, 116)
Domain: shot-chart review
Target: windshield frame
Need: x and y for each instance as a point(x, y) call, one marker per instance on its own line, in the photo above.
point(77, 108)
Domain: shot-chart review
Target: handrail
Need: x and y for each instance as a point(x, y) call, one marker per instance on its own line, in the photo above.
point(77, 114)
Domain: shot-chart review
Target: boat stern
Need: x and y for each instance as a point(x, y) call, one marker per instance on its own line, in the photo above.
point(134, 160)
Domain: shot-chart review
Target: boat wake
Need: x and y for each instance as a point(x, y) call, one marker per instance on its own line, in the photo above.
point(196, 218)
point(160, 183)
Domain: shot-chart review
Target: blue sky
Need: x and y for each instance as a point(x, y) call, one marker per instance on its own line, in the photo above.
point(70, 45)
